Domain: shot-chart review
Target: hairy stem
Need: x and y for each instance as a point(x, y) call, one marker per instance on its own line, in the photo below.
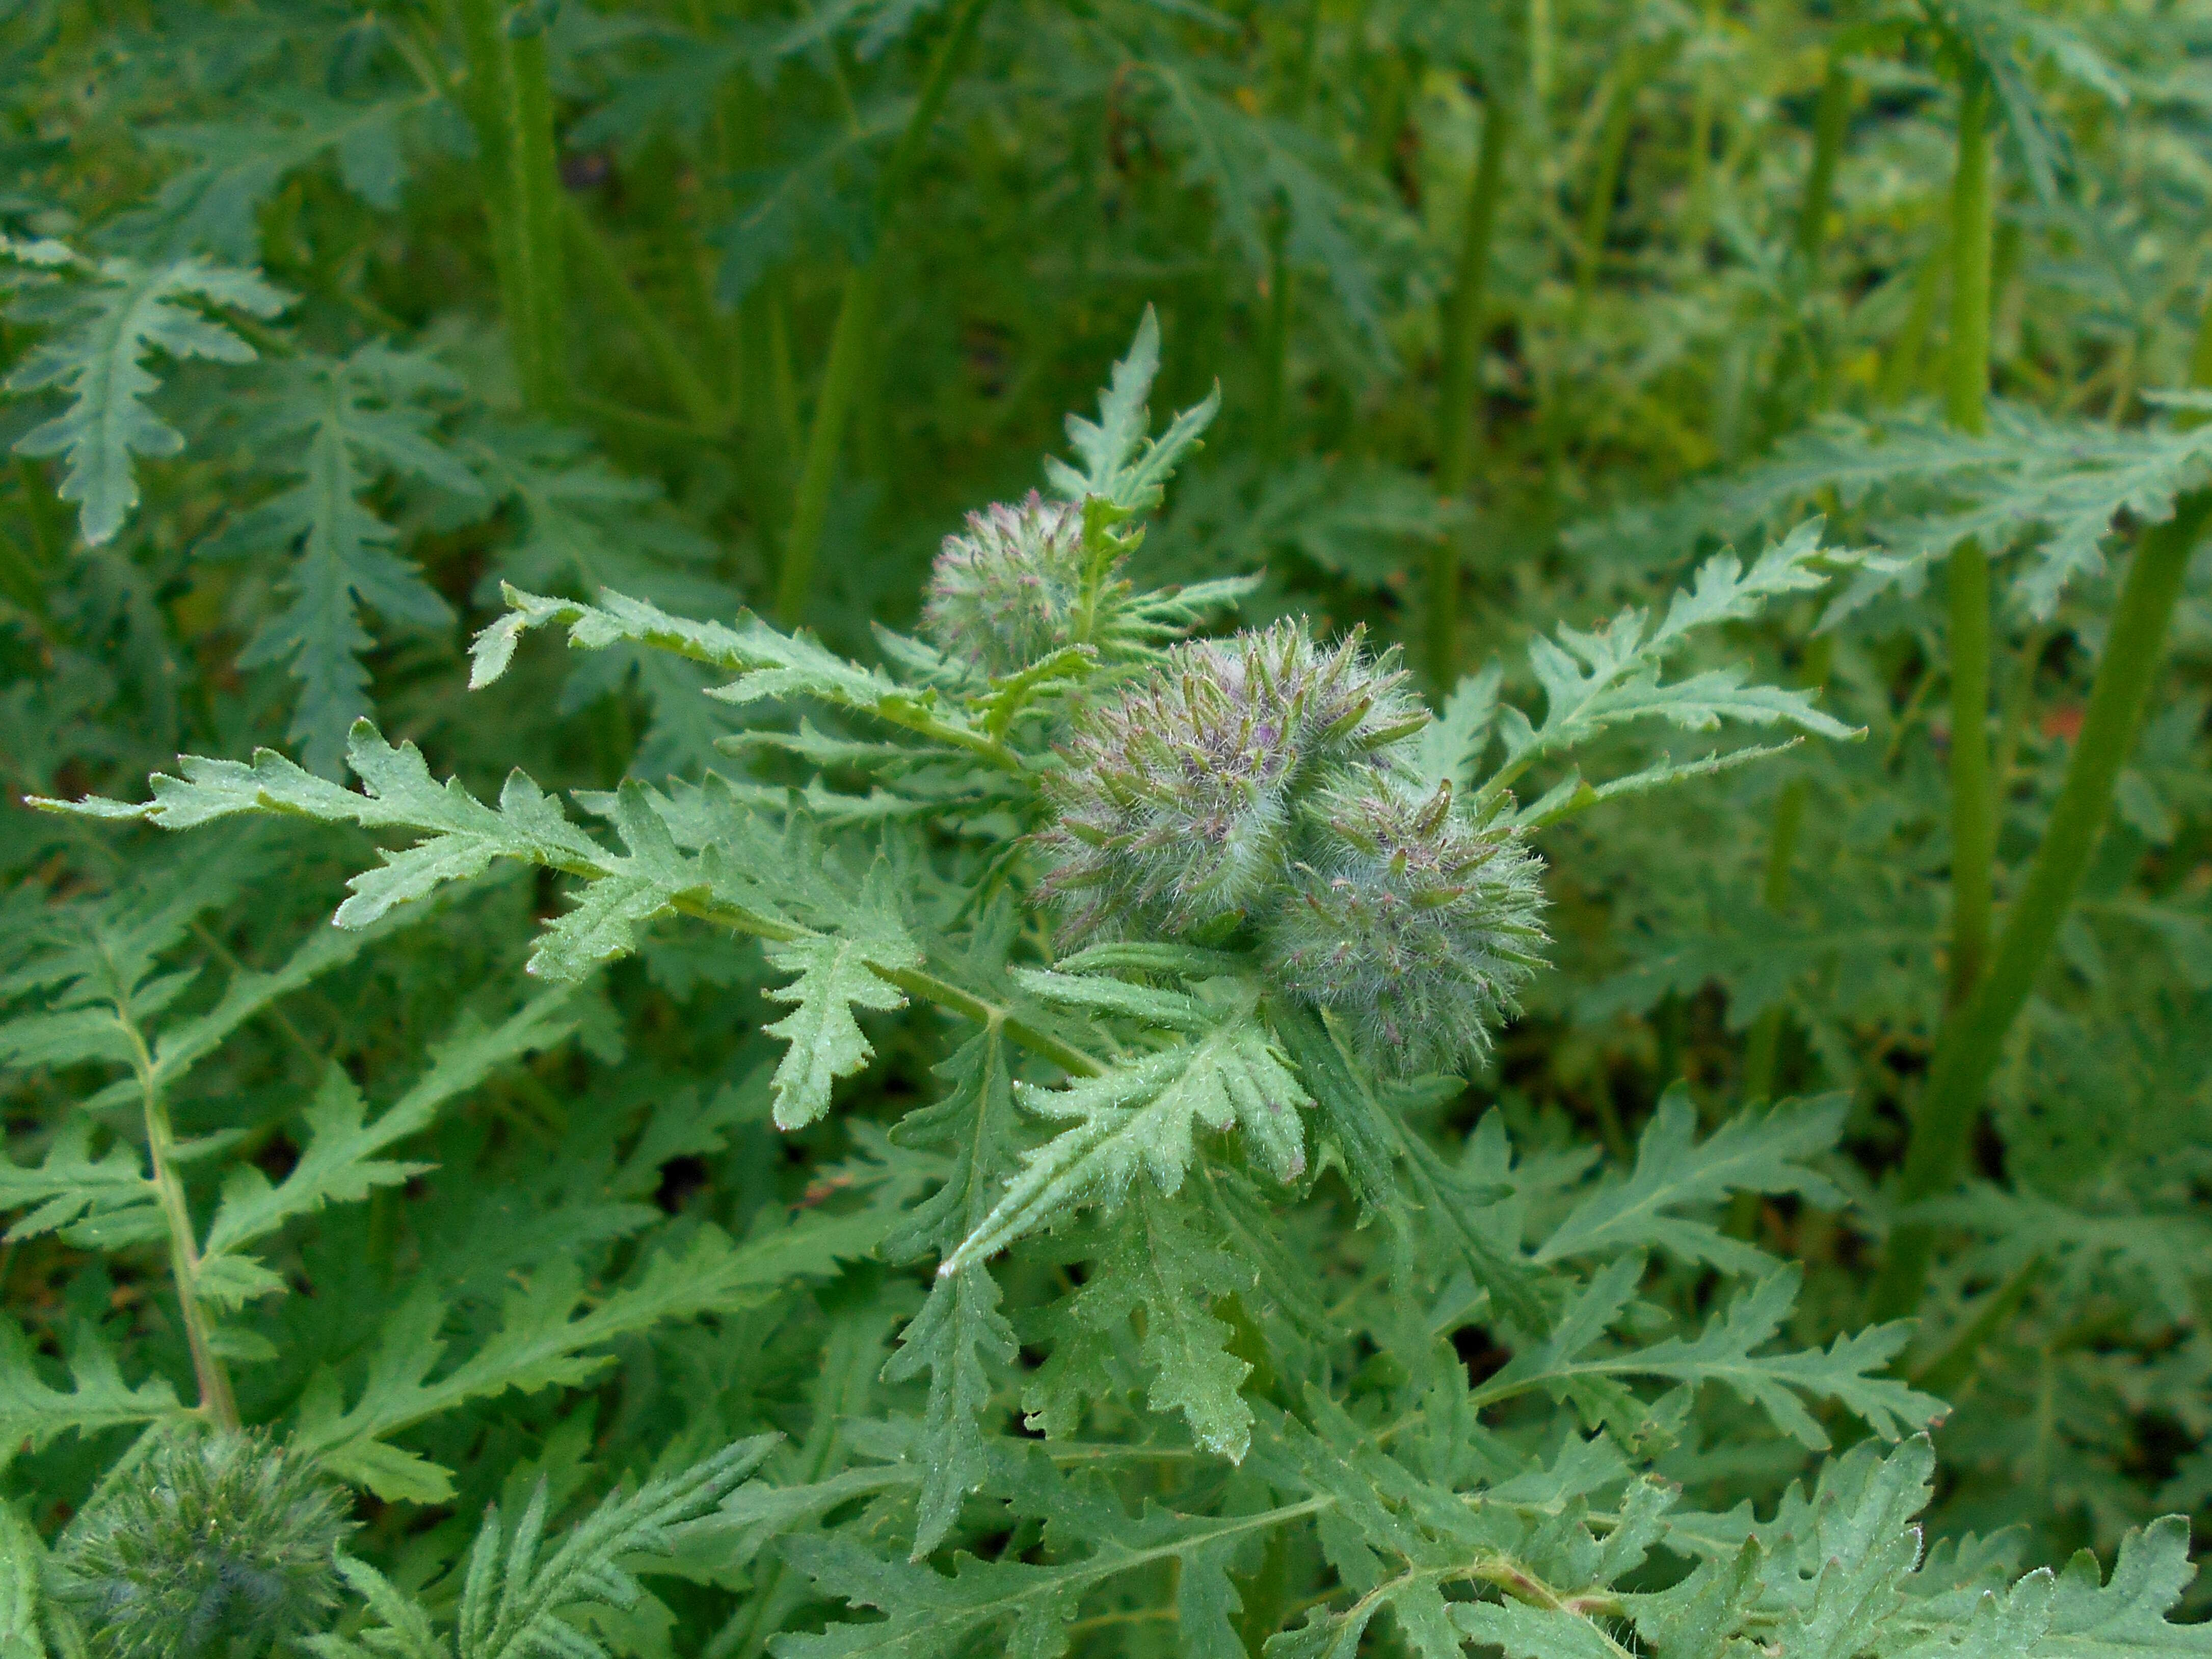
point(850, 338)
point(1968, 1052)
point(674, 365)
point(510, 104)
point(217, 1403)
point(1830, 117)
point(1458, 422)
point(1973, 802)
point(914, 983)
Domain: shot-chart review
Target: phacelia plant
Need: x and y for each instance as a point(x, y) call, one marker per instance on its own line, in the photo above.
point(1042, 1032)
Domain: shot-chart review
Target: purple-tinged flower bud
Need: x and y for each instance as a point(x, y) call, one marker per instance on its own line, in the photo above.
point(1177, 805)
point(1002, 595)
point(1416, 926)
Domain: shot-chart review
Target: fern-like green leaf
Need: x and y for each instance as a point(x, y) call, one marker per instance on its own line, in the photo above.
point(1122, 463)
point(836, 975)
point(1144, 1114)
point(340, 1162)
point(339, 426)
point(33, 1414)
point(518, 1596)
point(124, 312)
point(1595, 681)
point(552, 1334)
point(1848, 1371)
point(1758, 1152)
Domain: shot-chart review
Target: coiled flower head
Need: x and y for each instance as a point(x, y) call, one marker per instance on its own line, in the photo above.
point(1002, 595)
point(220, 1547)
point(1417, 925)
point(1176, 808)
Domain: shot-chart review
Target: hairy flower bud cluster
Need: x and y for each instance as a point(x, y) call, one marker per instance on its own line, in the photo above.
point(1262, 788)
point(1002, 595)
point(1176, 809)
point(218, 1546)
point(1416, 924)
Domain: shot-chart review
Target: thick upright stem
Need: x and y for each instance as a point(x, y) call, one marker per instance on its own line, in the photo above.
point(510, 104)
point(538, 195)
point(1973, 1038)
point(849, 339)
point(1966, 1054)
point(1974, 803)
point(1830, 117)
point(217, 1403)
point(1966, 387)
point(2200, 359)
point(1457, 422)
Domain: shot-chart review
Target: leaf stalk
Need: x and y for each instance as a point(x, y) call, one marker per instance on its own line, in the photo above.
point(218, 1403)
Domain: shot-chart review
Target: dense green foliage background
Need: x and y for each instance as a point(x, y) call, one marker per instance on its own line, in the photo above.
point(325, 322)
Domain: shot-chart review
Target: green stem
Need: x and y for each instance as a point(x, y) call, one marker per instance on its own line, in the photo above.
point(1275, 338)
point(1764, 1045)
point(2200, 362)
point(538, 195)
point(1540, 56)
point(1830, 117)
point(1967, 366)
point(1611, 153)
point(848, 338)
point(1760, 1050)
point(950, 998)
point(1458, 408)
point(510, 104)
point(1275, 324)
point(1700, 216)
point(1973, 794)
point(1901, 369)
point(217, 1403)
point(1968, 1052)
point(765, 393)
point(23, 582)
point(683, 380)
point(811, 505)
point(1951, 1368)
point(1973, 801)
